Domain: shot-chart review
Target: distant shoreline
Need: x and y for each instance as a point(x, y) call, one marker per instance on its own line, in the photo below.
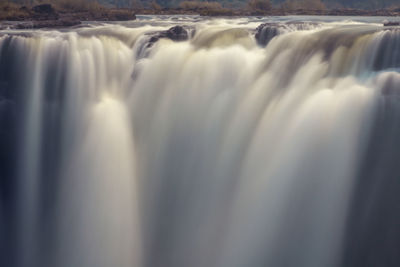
point(274, 12)
point(46, 16)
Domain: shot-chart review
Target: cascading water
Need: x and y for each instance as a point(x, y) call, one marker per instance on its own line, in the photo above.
point(121, 149)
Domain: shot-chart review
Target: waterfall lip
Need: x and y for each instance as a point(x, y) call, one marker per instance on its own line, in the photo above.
point(20, 34)
point(168, 20)
point(194, 24)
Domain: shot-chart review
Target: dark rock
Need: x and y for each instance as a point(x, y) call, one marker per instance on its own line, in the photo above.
point(265, 32)
point(391, 23)
point(44, 12)
point(177, 33)
point(24, 8)
point(124, 16)
point(154, 39)
point(68, 23)
point(44, 8)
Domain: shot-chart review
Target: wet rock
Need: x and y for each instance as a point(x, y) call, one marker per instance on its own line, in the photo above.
point(391, 23)
point(154, 39)
point(177, 33)
point(265, 32)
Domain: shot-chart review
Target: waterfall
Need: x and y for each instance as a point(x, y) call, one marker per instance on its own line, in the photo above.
point(234, 148)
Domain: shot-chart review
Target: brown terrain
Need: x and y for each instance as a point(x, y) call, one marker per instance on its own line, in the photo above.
point(64, 15)
point(50, 16)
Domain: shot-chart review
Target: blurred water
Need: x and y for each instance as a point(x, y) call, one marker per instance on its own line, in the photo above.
point(215, 151)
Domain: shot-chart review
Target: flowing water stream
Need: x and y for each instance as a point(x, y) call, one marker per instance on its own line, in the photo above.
point(219, 151)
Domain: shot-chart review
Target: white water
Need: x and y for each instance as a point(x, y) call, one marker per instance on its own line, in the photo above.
point(209, 152)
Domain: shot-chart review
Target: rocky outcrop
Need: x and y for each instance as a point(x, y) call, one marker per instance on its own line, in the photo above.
point(44, 12)
point(391, 23)
point(265, 32)
point(176, 33)
point(44, 8)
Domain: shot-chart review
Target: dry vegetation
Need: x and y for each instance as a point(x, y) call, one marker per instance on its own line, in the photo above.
point(10, 10)
point(62, 10)
point(76, 5)
point(254, 7)
point(261, 5)
point(59, 5)
point(196, 5)
point(155, 6)
point(291, 5)
point(205, 8)
point(91, 10)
